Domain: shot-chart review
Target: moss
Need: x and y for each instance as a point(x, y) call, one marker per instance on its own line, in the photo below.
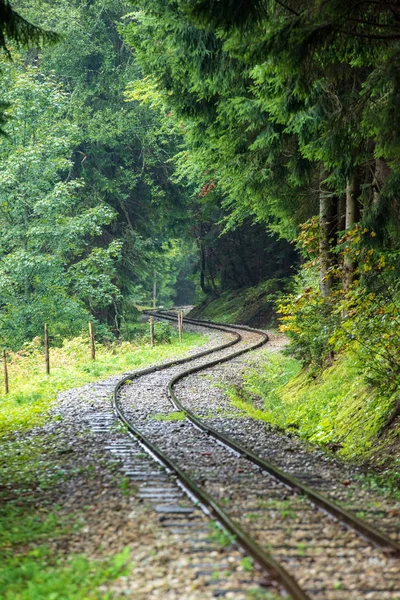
point(337, 409)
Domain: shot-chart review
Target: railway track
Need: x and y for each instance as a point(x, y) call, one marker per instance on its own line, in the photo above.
point(284, 525)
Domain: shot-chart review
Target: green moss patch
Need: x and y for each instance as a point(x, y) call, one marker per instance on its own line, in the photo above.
point(337, 409)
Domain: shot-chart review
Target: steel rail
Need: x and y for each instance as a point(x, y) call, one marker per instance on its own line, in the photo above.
point(263, 559)
point(259, 555)
point(377, 537)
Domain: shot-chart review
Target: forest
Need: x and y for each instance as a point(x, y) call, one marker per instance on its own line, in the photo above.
point(242, 157)
point(199, 148)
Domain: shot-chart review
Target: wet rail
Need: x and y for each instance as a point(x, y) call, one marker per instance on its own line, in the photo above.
point(253, 538)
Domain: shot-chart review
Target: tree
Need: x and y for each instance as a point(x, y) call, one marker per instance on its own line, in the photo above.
point(14, 28)
point(46, 258)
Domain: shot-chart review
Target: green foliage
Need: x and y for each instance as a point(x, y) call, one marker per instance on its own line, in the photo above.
point(307, 319)
point(164, 333)
point(370, 310)
point(85, 174)
point(14, 27)
point(124, 151)
point(283, 108)
point(362, 318)
point(47, 271)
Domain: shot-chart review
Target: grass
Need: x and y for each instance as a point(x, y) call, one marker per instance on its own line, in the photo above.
point(30, 521)
point(337, 409)
point(173, 416)
point(34, 467)
point(384, 484)
point(37, 576)
point(32, 391)
point(247, 564)
point(220, 535)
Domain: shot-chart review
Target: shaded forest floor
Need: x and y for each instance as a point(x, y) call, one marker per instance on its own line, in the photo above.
point(250, 306)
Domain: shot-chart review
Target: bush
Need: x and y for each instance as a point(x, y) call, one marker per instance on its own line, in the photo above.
point(361, 315)
point(309, 321)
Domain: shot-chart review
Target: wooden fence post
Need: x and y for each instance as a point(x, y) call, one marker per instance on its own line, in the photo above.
point(5, 371)
point(180, 324)
point(46, 348)
point(152, 331)
point(92, 346)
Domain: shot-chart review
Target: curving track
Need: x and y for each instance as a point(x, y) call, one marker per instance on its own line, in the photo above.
point(269, 511)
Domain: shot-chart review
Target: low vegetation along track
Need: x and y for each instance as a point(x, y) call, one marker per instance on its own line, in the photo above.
point(309, 544)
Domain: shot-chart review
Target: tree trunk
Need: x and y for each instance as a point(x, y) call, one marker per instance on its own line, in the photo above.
point(352, 216)
point(342, 213)
point(327, 228)
point(382, 172)
point(203, 285)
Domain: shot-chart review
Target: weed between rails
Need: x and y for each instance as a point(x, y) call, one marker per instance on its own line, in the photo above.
point(173, 416)
point(220, 535)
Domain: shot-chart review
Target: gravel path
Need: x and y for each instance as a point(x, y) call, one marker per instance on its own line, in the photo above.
point(121, 497)
point(313, 467)
point(331, 562)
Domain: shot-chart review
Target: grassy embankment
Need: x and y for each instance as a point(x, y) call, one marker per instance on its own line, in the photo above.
point(33, 465)
point(32, 391)
point(338, 409)
point(253, 306)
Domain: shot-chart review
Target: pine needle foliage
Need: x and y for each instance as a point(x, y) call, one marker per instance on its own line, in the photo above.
point(23, 33)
